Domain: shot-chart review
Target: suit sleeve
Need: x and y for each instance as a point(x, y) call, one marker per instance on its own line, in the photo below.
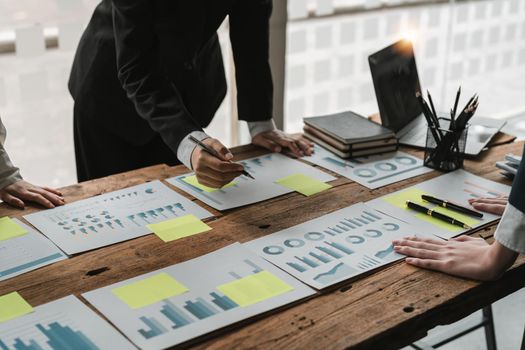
point(511, 229)
point(156, 99)
point(250, 35)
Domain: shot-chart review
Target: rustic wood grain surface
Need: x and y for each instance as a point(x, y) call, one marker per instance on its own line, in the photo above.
point(385, 310)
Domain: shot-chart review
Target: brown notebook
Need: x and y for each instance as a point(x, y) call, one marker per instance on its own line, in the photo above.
point(352, 154)
point(346, 148)
point(349, 128)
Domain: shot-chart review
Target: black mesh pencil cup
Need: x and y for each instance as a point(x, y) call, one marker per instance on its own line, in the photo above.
point(445, 149)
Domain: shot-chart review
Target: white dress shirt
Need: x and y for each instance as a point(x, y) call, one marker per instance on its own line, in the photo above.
point(186, 147)
point(511, 229)
point(9, 174)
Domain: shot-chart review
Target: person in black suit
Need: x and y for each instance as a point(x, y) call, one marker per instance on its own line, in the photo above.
point(148, 73)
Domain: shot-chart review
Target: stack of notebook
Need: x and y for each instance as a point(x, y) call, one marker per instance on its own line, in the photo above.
point(349, 135)
point(510, 165)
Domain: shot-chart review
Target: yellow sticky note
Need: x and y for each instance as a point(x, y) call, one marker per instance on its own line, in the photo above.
point(413, 194)
point(303, 184)
point(10, 229)
point(149, 290)
point(183, 226)
point(254, 288)
point(192, 180)
point(12, 305)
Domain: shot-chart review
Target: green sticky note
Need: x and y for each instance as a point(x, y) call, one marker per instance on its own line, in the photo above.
point(12, 305)
point(149, 290)
point(303, 184)
point(413, 194)
point(192, 180)
point(10, 229)
point(254, 288)
point(183, 226)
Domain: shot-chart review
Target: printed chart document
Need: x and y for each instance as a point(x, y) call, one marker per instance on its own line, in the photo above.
point(178, 303)
point(371, 171)
point(242, 191)
point(26, 253)
point(112, 217)
point(334, 247)
point(458, 187)
point(62, 324)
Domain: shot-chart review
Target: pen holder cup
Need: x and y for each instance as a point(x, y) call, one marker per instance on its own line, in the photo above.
point(448, 152)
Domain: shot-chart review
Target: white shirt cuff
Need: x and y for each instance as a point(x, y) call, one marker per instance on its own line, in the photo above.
point(511, 229)
point(258, 127)
point(186, 147)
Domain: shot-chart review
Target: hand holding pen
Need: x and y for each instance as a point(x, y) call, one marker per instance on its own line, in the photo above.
point(212, 162)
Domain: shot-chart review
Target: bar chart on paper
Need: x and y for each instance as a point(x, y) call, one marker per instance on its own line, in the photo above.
point(460, 186)
point(265, 169)
point(112, 217)
point(217, 285)
point(371, 171)
point(334, 247)
point(26, 253)
point(61, 325)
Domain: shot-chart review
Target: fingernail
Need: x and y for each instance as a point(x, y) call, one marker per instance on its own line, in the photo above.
point(229, 156)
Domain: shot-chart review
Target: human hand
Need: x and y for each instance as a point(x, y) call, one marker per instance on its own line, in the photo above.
point(17, 193)
point(210, 170)
point(463, 256)
point(275, 140)
point(490, 205)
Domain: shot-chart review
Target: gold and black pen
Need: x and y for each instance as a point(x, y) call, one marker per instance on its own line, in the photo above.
point(446, 204)
point(214, 153)
point(435, 214)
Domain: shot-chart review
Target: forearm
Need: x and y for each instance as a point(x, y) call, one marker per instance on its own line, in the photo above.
point(499, 259)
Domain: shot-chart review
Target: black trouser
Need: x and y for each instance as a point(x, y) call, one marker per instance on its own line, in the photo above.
point(100, 152)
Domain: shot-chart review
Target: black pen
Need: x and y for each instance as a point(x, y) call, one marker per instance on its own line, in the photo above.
point(430, 122)
point(214, 153)
point(446, 204)
point(433, 109)
point(457, 101)
point(435, 214)
point(452, 125)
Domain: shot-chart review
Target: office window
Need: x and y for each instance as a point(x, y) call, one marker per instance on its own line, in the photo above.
point(479, 45)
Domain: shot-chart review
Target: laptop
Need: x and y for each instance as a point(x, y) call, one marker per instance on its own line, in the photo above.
point(396, 80)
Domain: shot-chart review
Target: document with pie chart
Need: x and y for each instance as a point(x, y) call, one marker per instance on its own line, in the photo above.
point(371, 171)
point(334, 247)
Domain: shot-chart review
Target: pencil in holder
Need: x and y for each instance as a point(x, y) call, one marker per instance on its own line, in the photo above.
point(445, 149)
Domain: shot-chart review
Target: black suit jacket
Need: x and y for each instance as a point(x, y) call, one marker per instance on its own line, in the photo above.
point(155, 66)
point(517, 194)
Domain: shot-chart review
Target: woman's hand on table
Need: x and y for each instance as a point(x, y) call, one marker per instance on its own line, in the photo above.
point(20, 192)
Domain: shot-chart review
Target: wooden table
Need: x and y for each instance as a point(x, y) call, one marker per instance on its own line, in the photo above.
point(387, 309)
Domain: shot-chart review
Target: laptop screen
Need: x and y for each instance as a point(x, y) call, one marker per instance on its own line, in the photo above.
point(396, 81)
